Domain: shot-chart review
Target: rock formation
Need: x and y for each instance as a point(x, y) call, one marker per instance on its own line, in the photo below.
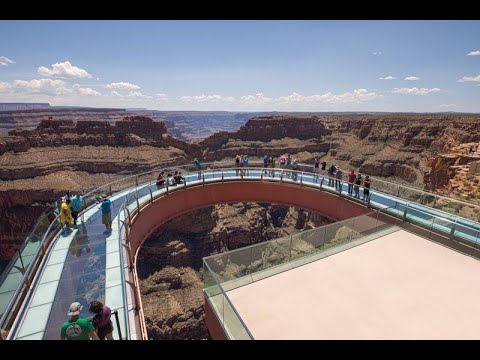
point(449, 174)
point(131, 131)
point(170, 261)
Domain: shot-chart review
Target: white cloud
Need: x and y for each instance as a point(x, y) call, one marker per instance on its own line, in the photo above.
point(4, 86)
point(138, 94)
point(42, 86)
point(65, 69)
point(411, 78)
point(116, 94)
point(377, 53)
point(161, 97)
point(47, 87)
point(415, 91)
point(257, 99)
point(447, 106)
point(474, 53)
point(388, 77)
point(207, 98)
point(86, 91)
point(470, 78)
point(122, 86)
point(357, 96)
point(6, 61)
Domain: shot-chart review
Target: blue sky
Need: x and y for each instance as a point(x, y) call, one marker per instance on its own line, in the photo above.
point(424, 66)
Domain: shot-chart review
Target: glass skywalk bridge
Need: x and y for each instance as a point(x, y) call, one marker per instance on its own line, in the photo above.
point(52, 269)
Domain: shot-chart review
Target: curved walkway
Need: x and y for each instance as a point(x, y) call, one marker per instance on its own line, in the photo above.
point(88, 264)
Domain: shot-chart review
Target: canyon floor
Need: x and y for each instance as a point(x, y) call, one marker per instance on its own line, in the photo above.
point(170, 261)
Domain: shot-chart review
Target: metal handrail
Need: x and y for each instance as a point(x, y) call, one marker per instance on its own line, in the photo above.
point(252, 164)
point(410, 188)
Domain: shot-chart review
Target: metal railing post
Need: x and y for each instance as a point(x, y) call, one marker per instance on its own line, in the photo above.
point(151, 195)
point(110, 188)
point(138, 203)
point(290, 256)
point(23, 267)
point(136, 180)
point(301, 179)
point(452, 232)
point(166, 187)
point(128, 216)
point(117, 320)
point(203, 177)
point(21, 261)
point(222, 176)
point(261, 176)
point(281, 176)
point(130, 256)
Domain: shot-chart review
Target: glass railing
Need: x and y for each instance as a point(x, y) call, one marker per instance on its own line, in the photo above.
point(19, 274)
point(452, 229)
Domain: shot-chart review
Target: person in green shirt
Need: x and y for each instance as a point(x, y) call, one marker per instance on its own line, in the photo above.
point(77, 328)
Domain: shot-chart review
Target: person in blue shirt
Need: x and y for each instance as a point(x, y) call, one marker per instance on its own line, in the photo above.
point(245, 164)
point(76, 205)
point(198, 165)
point(265, 162)
point(106, 207)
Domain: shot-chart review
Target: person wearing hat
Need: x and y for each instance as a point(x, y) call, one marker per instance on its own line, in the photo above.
point(77, 328)
point(106, 207)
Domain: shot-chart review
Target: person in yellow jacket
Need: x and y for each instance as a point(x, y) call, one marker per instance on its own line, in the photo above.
point(66, 218)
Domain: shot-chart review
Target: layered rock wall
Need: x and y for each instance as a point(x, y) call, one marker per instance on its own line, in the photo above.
point(131, 131)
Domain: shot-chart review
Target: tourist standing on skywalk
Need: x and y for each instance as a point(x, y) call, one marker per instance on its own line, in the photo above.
point(76, 205)
point(324, 165)
point(106, 207)
point(66, 216)
point(289, 165)
point(351, 180)
point(101, 321)
point(316, 164)
point(77, 328)
point(338, 177)
point(331, 172)
point(265, 162)
point(366, 188)
point(198, 165)
point(295, 169)
point(237, 165)
point(245, 164)
point(356, 186)
point(282, 161)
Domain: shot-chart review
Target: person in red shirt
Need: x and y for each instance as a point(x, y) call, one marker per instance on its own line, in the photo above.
point(351, 179)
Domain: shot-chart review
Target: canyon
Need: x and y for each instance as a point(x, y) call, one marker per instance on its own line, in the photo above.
point(40, 162)
point(170, 260)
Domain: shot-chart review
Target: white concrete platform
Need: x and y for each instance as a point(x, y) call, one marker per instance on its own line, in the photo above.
point(399, 286)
